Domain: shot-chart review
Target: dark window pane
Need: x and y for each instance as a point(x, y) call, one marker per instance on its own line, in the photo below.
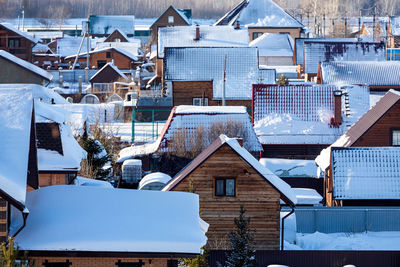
point(396, 138)
point(230, 187)
point(219, 187)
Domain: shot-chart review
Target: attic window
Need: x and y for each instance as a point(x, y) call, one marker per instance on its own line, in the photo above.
point(170, 19)
point(225, 187)
point(256, 35)
point(395, 137)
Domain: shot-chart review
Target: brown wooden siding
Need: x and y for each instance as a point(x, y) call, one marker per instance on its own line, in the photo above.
point(184, 92)
point(96, 261)
point(115, 35)
point(380, 133)
point(257, 196)
point(3, 220)
point(47, 179)
point(294, 32)
point(120, 61)
point(24, 51)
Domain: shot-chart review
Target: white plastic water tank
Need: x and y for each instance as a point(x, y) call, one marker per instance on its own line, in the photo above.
point(154, 181)
point(132, 171)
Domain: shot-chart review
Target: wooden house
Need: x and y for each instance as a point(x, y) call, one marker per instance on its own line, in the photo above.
point(117, 36)
point(379, 127)
point(16, 42)
point(203, 84)
point(298, 121)
point(226, 176)
point(98, 58)
point(262, 16)
point(16, 70)
point(170, 17)
point(103, 80)
point(379, 76)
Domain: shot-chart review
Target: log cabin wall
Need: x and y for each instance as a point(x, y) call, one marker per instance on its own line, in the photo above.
point(258, 197)
point(184, 92)
point(23, 49)
point(3, 220)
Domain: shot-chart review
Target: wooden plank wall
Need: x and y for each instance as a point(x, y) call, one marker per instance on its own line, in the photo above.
point(257, 196)
point(3, 220)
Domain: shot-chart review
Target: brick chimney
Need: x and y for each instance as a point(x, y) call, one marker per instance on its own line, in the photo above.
point(237, 25)
point(197, 37)
point(337, 109)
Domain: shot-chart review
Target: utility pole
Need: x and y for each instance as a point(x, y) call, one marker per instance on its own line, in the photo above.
point(345, 27)
point(324, 26)
point(223, 86)
point(23, 18)
point(373, 24)
point(333, 27)
point(87, 53)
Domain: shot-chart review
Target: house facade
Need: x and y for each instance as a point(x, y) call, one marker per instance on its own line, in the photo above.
point(226, 177)
point(379, 127)
point(16, 42)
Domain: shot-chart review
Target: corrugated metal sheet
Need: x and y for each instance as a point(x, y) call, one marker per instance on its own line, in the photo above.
point(383, 73)
point(318, 52)
point(347, 219)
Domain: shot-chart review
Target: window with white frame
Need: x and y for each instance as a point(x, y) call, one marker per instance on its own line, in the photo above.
point(198, 101)
point(396, 137)
point(170, 19)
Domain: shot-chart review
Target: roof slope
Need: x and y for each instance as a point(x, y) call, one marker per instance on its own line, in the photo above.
point(260, 13)
point(15, 119)
point(360, 127)
point(285, 190)
point(366, 172)
point(317, 52)
point(26, 65)
point(10, 27)
point(384, 73)
point(210, 36)
point(113, 67)
point(207, 64)
point(274, 45)
point(62, 219)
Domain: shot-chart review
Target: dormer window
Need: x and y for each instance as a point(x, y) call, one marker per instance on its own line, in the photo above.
point(170, 19)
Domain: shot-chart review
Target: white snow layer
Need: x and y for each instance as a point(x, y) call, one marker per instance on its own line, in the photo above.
point(274, 45)
point(291, 167)
point(81, 218)
point(82, 181)
point(156, 177)
point(15, 120)
point(347, 241)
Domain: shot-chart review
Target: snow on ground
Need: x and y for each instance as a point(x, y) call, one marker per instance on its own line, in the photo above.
point(143, 130)
point(346, 241)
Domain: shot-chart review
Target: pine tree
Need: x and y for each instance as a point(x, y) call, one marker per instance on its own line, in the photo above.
point(95, 159)
point(282, 80)
point(242, 254)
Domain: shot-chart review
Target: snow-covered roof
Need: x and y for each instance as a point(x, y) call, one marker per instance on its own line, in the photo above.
point(112, 66)
point(26, 65)
point(46, 34)
point(299, 45)
point(279, 184)
point(15, 119)
point(395, 24)
point(274, 45)
point(119, 50)
point(133, 46)
point(156, 177)
point(105, 25)
point(366, 172)
point(62, 219)
point(10, 27)
point(384, 73)
point(39, 92)
point(318, 52)
point(307, 196)
point(69, 45)
point(360, 126)
point(41, 49)
point(260, 13)
point(207, 64)
point(210, 36)
point(290, 167)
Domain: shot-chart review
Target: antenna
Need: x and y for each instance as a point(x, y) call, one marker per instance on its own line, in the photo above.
point(223, 86)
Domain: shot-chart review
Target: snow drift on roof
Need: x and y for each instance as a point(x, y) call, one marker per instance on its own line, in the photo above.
point(156, 177)
point(210, 36)
point(366, 173)
point(82, 181)
point(266, 13)
point(384, 73)
point(290, 167)
point(15, 119)
point(62, 218)
point(26, 65)
point(39, 92)
point(274, 45)
point(183, 109)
